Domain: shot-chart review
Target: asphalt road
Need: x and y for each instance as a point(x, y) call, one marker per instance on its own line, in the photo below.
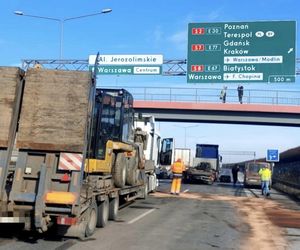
point(202, 217)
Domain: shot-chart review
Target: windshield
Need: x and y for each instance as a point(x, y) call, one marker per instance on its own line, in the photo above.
point(254, 168)
point(204, 166)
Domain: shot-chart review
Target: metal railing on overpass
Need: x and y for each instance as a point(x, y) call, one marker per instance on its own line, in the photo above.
point(178, 68)
point(211, 95)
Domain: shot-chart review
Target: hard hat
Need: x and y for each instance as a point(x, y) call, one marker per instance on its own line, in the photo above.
point(178, 160)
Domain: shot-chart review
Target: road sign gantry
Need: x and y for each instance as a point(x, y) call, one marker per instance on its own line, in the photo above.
point(172, 67)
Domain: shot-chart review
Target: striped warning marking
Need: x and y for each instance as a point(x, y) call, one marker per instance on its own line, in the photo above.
point(69, 161)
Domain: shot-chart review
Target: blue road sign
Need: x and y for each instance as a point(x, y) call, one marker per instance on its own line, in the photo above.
point(273, 155)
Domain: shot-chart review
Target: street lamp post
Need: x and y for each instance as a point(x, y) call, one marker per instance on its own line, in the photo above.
point(62, 21)
point(192, 126)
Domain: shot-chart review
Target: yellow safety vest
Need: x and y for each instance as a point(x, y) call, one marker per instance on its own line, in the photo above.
point(265, 174)
point(178, 167)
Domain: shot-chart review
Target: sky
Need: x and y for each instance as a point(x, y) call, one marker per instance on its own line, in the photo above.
point(147, 27)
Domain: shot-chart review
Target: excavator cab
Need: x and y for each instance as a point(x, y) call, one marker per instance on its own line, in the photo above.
point(113, 120)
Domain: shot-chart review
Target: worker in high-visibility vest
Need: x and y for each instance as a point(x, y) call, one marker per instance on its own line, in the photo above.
point(177, 170)
point(265, 177)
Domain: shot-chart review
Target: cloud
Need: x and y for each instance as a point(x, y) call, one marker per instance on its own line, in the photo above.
point(179, 39)
point(155, 37)
point(214, 15)
point(157, 34)
point(211, 16)
point(190, 18)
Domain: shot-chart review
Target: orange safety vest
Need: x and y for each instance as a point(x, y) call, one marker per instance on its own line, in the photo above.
point(178, 167)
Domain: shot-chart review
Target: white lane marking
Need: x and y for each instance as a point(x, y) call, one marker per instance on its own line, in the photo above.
point(185, 191)
point(141, 216)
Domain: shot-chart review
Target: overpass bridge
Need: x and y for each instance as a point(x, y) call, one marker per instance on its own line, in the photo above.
point(260, 107)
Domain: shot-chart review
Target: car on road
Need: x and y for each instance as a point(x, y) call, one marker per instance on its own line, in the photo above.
point(225, 175)
point(251, 176)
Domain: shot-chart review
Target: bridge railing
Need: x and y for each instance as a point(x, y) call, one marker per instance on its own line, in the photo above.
point(211, 95)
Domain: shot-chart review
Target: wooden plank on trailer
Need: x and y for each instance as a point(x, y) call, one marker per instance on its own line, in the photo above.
point(9, 80)
point(54, 110)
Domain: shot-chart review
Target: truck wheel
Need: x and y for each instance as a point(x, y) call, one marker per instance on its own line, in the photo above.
point(119, 173)
point(132, 171)
point(103, 212)
point(92, 220)
point(113, 208)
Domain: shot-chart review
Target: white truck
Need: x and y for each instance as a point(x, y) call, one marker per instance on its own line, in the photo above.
point(147, 131)
point(169, 154)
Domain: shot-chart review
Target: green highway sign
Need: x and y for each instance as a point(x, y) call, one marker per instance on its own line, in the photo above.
point(262, 51)
point(134, 59)
point(150, 64)
point(128, 70)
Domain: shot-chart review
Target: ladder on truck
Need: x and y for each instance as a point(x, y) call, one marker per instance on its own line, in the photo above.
point(11, 84)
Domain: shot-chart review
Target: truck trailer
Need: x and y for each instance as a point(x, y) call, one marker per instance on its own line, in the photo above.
point(184, 154)
point(77, 157)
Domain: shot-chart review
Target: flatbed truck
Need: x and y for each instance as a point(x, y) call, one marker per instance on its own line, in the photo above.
point(205, 166)
point(76, 154)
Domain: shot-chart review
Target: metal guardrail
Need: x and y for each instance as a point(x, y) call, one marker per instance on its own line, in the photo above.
point(211, 95)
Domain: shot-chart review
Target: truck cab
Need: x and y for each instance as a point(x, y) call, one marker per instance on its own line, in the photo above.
point(166, 158)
